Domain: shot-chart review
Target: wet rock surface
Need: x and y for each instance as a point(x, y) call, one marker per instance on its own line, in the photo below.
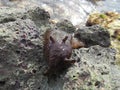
point(38, 15)
point(92, 69)
point(94, 35)
point(74, 11)
point(22, 63)
point(66, 26)
point(19, 50)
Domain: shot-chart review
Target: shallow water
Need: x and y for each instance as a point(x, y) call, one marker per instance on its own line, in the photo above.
point(74, 10)
point(109, 5)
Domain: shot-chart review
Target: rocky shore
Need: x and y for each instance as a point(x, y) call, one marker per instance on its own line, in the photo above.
point(21, 54)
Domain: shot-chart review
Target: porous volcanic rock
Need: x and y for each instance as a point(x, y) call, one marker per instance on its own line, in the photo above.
point(22, 63)
point(94, 35)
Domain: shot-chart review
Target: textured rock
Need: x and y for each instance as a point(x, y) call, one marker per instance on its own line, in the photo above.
point(77, 14)
point(115, 77)
point(38, 15)
point(22, 63)
point(92, 70)
point(20, 52)
point(94, 35)
point(66, 26)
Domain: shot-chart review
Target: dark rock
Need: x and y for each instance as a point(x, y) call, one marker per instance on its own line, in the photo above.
point(98, 84)
point(116, 34)
point(19, 56)
point(94, 35)
point(66, 26)
point(38, 15)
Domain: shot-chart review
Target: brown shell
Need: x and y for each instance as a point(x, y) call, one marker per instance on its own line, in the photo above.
point(58, 49)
